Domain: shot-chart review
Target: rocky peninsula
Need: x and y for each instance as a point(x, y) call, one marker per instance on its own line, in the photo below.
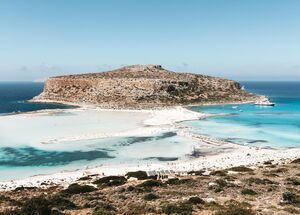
point(143, 86)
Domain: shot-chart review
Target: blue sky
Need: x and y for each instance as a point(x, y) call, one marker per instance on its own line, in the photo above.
point(237, 39)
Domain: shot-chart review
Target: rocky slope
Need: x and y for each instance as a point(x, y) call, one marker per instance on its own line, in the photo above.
point(269, 189)
point(141, 86)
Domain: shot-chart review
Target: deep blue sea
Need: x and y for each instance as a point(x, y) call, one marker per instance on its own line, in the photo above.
point(14, 96)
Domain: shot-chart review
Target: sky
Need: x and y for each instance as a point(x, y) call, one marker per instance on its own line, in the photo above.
point(237, 39)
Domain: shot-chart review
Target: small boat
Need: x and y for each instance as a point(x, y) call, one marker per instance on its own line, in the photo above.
point(234, 107)
point(264, 102)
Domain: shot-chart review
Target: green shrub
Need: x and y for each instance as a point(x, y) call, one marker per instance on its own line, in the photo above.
point(140, 208)
point(235, 209)
point(248, 192)
point(198, 173)
point(102, 211)
point(221, 183)
point(213, 206)
point(25, 188)
point(279, 170)
point(196, 200)
point(42, 206)
point(130, 188)
point(104, 208)
point(150, 183)
point(264, 181)
point(61, 203)
point(240, 169)
point(176, 181)
point(268, 162)
point(111, 181)
point(85, 178)
point(296, 161)
point(36, 206)
point(219, 173)
point(229, 178)
point(77, 189)
point(11, 212)
point(150, 197)
point(140, 175)
point(291, 198)
point(291, 210)
point(293, 181)
point(179, 208)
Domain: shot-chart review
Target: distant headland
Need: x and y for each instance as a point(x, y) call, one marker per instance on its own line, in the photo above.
point(143, 86)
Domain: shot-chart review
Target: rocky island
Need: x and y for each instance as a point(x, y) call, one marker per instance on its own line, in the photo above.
point(143, 86)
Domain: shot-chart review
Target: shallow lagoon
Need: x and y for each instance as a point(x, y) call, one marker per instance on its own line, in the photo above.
point(28, 147)
point(277, 126)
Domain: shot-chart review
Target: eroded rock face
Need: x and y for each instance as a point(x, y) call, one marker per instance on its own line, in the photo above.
point(141, 86)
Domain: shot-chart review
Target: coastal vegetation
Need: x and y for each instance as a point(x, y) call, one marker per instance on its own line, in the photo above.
point(238, 190)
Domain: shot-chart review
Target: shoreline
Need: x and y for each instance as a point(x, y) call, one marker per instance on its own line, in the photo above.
point(162, 107)
point(239, 154)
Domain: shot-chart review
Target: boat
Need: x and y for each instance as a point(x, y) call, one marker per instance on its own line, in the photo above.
point(264, 102)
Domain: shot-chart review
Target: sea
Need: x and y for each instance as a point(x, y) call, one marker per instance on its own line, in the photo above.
point(246, 124)
point(14, 97)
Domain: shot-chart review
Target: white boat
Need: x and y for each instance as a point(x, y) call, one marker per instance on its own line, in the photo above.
point(264, 102)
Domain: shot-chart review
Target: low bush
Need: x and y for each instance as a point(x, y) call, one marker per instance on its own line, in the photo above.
point(150, 183)
point(296, 161)
point(235, 209)
point(221, 183)
point(77, 189)
point(248, 192)
point(196, 200)
point(85, 178)
point(25, 188)
point(293, 181)
point(264, 181)
point(104, 209)
point(291, 198)
point(36, 206)
point(176, 181)
point(292, 210)
point(61, 203)
point(140, 175)
point(268, 162)
point(179, 208)
point(150, 197)
point(279, 170)
point(198, 173)
point(240, 169)
point(219, 173)
point(111, 181)
point(130, 188)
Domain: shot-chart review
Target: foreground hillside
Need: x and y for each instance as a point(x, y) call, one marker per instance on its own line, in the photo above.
point(143, 86)
point(268, 189)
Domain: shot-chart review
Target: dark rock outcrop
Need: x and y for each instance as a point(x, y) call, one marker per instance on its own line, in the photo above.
point(143, 86)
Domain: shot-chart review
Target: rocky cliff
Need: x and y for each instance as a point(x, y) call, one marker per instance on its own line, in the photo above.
point(142, 86)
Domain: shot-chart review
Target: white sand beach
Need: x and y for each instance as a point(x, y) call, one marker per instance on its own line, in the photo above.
point(66, 129)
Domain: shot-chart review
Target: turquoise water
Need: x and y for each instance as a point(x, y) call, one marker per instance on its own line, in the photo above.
point(277, 126)
point(22, 154)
